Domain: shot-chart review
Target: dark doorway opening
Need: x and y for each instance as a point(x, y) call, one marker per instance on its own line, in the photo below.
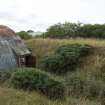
point(30, 61)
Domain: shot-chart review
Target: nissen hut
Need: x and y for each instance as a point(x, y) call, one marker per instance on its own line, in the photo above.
point(13, 51)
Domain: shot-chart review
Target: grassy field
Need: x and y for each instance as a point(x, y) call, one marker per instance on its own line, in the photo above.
point(92, 70)
point(18, 97)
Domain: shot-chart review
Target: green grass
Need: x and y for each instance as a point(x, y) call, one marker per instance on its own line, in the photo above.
point(9, 96)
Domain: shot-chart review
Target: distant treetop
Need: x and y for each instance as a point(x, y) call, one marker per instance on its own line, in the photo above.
point(29, 31)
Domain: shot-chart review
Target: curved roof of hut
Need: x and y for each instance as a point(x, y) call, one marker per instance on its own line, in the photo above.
point(11, 46)
point(9, 38)
point(6, 31)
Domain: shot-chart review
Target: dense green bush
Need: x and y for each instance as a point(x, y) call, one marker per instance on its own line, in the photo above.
point(53, 64)
point(66, 58)
point(35, 80)
point(75, 50)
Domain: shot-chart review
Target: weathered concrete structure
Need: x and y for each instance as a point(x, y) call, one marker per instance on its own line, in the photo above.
point(13, 52)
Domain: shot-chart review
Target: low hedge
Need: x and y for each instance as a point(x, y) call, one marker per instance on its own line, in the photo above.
point(66, 58)
point(35, 80)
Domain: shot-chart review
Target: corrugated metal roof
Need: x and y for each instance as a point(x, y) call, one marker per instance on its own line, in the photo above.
point(17, 45)
point(9, 37)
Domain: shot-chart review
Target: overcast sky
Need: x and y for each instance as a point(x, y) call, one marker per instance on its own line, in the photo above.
point(40, 14)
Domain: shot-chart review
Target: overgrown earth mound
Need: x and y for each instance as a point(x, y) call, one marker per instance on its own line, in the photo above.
point(81, 63)
point(65, 58)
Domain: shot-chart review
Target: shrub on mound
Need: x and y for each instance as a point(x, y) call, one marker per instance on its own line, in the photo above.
point(53, 64)
point(74, 50)
point(66, 58)
point(35, 80)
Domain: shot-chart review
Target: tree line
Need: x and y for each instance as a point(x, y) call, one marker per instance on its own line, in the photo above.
point(24, 34)
point(68, 30)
